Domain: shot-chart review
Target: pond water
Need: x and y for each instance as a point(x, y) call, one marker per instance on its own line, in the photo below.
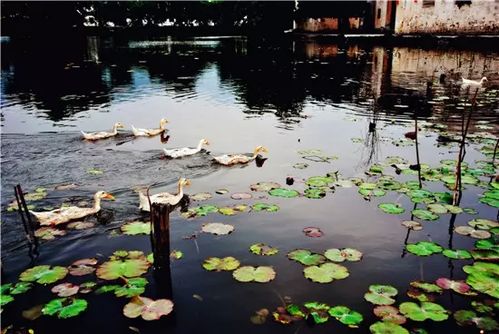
point(352, 102)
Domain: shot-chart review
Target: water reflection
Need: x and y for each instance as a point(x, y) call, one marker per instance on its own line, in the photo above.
point(94, 74)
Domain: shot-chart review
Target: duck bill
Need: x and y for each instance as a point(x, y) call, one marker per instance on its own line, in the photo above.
point(187, 182)
point(109, 197)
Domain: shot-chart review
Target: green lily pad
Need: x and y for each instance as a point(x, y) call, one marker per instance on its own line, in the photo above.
point(453, 209)
point(376, 169)
point(436, 208)
point(421, 196)
point(412, 225)
point(346, 316)
point(457, 286)
point(486, 307)
point(265, 207)
point(424, 248)
point(457, 254)
point(218, 264)
point(485, 255)
point(5, 299)
point(131, 266)
point(306, 257)
point(326, 273)
point(487, 244)
point(470, 211)
point(65, 307)
point(133, 287)
point(383, 327)
point(283, 192)
point(340, 255)
point(264, 186)
point(389, 313)
point(48, 233)
point(314, 193)
point(201, 196)
point(317, 312)
point(483, 224)
point(389, 185)
point(424, 214)
point(263, 249)
point(203, 210)
point(367, 185)
point(483, 277)
point(374, 192)
point(17, 289)
point(135, 228)
point(426, 287)
point(319, 181)
point(260, 274)
point(381, 294)
point(427, 310)
point(147, 308)
point(391, 208)
point(44, 274)
point(466, 317)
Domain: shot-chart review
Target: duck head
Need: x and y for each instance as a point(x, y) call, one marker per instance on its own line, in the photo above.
point(162, 123)
point(484, 79)
point(104, 195)
point(183, 182)
point(119, 125)
point(259, 149)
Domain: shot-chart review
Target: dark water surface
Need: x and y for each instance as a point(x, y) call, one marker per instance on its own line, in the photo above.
point(290, 97)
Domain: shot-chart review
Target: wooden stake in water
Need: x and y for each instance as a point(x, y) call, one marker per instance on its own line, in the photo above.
point(160, 234)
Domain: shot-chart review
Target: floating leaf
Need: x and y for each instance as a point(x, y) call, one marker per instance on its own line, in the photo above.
point(95, 171)
point(78, 225)
point(314, 193)
point(306, 257)
point(260, 274)
point(265, 207)
point(437, 208)
point(217, 228)
point(465, 317)
point(468, 230)
point(326, 273)
point(453, 209)
point(412, 225)
point(43, 274)
point(262, 249)
point(260, 316)
point(203, 210)
point(319, 181)
point(300, 165)
point(264, 186)
point(421, 196)
point(148, 309)
point(201, 196)
point(239, 196)
point(82, 267)
point(133, 287)
point(33, 313)
point(381, 294)
point(389, 314)
point(424, 248)
point(227, 263)
point(389, 185)
point(340, 255)
point(346, 316)
point(456, 254)
point(313, 232)
point(483, 277)
point(382, 327)
point(448, 284)
point(5, 299)
point(391, 208)
point(427, 310)
point(483, 224)
point(135, 228)
point(424, 214)
point(426, 287)
point(65, 289)
point(128, 267)
point(175, 254)
point(48, 233)
point(65, 307)
point(283, 192)
point(317, 312)
point(87, 287)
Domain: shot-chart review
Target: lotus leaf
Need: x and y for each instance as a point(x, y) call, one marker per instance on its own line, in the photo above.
point(318, 312)
point(65, 289)
point(346, 316)
point(295, 311)
point(319, 181)
point(389, 314)
point(381, 294)
point(227, 211)
point(5, 299)
point(175, 254)
point(470, 211)
point(375, 192)
point(65, 307)
point(468, 230)
point(340, 255)
point(48, 233)
point(265, 207)
point(313, 232)
point(82, 267)
point(133, 287)
point(117, 268)
point(424, 248)
point(344, 183)
point(427, 310)
point(260, 274)
point(382, 327)
point(43, 274)
point(452, 209)
point(217, 228)
point(107, 288)
point(465, 317)
point(227, 263)
point(426, 287)
point(283, 192)
point(489, 199)
point(412, 225)
point(17, 289)
point(448, 284)
point(456, 254)
point(201, 196)
point(367, 186)
point(483, 224)
point(262, 249)
point(326, 273)
point(483, 277)
point(306, 257)
point(437, 208)
point(239, 196)
point(264, 186)
point(148, 309)
point(488, 244)
point(391, 208)
point(421, 196)
point(424, 214)
point(87, 287)
point(135, 228)
point(203, 210)
point(485, 307)
point(314, 193)
point(443, 197)
point(465, 179)
point(38, 194)
point(80, 225)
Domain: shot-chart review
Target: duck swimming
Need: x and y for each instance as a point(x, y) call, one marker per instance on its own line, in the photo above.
point(185, 151)
point(139, 132)
point(66, 214)
point(103, 134)
point(164, 198)
point(233, 159)
point(473, 83)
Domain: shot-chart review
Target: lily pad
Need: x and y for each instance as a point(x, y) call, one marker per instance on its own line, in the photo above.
point(436, 208)
point(340, 255)
point(391, 208)
point(264, 186)
point(424, 248)
point(424, 214)
point(306, 257)
point(262, 274)
point(313, 232)
point(465, 317)
point(239, 196)
point(201, 196)
point(136, 228)
point(79, 225)
point(48, 233)
point(314, 193)
point(127, 267)
point(283, 192)
point(265, 207)
point(412, 225)
point(217, 228)
point(82, 267)
point(483, 224)
point(317, 312)
point(65, 289)
point(470, 231)
point(147, 308)
point(218, 264)
point(43, 274)
point(427, 310)
point(389, 313)
point(203, 210)
point(346, 316)
point(453, 209)
point(17, 289)
point(65, 307)
point(133, 287)
point(456, 254)
point(383, 327)
point(381, 294)
point(263, 249)
point(326, 273)
point(483, 277)
point(426, 287)
point(319, 181)
point(448, 284)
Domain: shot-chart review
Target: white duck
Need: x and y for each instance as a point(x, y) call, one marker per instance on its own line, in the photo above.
point(138, 132)
point(233, 159)
point(473, 83)
point(66, 214)
point(164, 198)
point(185, 151)
point(103, 134)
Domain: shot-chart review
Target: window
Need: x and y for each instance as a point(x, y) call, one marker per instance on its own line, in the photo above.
point(379, 13)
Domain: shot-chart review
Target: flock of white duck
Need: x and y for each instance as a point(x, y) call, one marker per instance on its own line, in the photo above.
point(66, 214)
